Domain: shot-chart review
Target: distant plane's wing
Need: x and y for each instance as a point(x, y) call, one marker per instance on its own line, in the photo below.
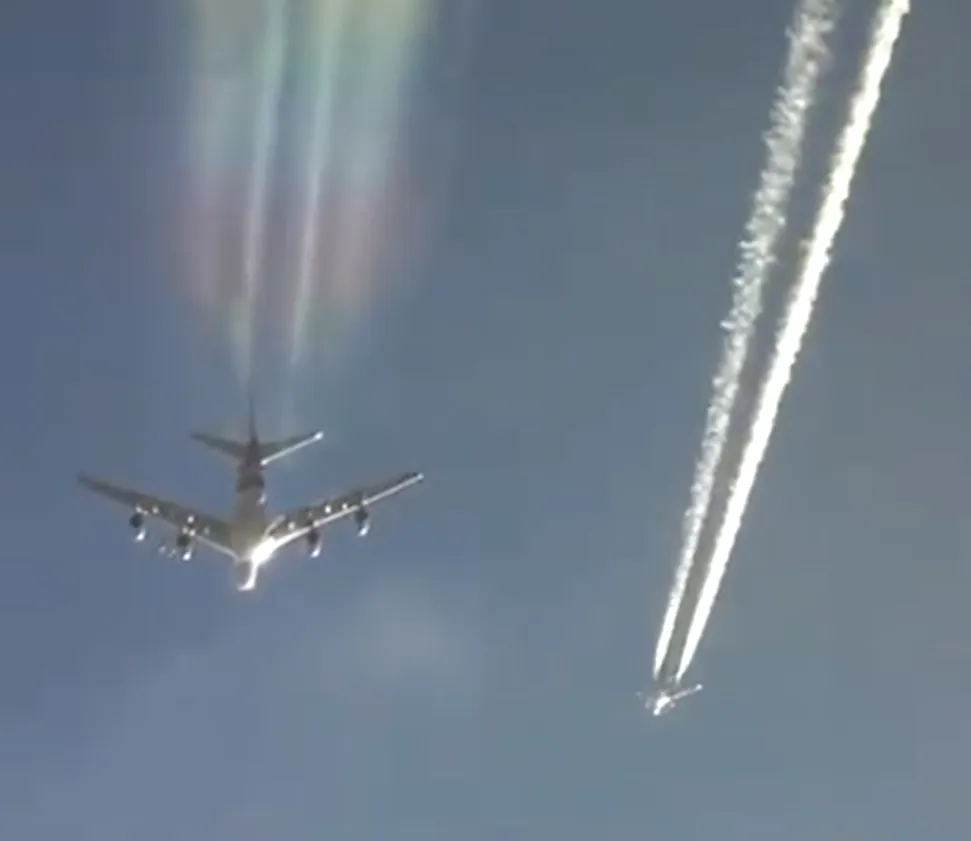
point(684, 693)
point(206, 529)
point(296, 523)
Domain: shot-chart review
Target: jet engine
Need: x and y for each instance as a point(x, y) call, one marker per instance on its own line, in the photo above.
point(137, 522)
point(362, 520)
point(183, 545)
point(313, 542)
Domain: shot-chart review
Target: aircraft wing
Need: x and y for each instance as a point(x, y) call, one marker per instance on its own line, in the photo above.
point(297, 523)
point(684, 693)
point(208, 530)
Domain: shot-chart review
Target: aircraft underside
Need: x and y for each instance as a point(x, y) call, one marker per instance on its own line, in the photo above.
point(248, 538)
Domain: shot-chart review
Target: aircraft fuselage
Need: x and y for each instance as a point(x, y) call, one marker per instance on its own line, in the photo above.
point(249, 521)
point(249, 524)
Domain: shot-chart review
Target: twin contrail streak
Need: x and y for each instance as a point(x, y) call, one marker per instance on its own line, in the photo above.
point(271, 88)
point(375, 121)
point(333, 17)
point(799, 311)
point(784, 140)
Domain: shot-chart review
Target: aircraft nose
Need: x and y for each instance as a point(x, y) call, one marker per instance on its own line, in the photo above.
point(244, 576)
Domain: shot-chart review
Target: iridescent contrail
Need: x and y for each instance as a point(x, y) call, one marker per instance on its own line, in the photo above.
point(365, 180)
point(344, 84)
point(784, 139)
point(799, 311)
point(331, 17)
point(222, 43)
point(355, 153)
point(276, 16)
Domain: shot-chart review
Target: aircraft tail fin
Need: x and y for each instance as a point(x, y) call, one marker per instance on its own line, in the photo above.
point(228, 447)
point(271, 451)
point(251, 414)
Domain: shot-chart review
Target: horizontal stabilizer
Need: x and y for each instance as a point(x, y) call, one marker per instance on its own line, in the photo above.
point(234, 449)
point(273, 450)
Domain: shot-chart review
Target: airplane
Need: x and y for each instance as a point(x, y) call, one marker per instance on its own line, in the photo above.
point(664, 699)
point(251, 538)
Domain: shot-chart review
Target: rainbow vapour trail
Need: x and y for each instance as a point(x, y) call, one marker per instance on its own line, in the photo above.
point(299, 114)
point(363, 55)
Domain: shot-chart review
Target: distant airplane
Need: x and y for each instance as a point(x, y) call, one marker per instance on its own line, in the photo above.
point(251, 538)
point(666, 696)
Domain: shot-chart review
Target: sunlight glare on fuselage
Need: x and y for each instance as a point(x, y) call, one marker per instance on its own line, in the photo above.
point(263, 552)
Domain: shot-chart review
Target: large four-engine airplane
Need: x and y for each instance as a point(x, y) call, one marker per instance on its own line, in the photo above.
point(251, 538)
point(666, 696)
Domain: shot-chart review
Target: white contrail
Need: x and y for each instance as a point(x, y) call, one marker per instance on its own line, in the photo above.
point(800, 306)
point(271, 82)
point(807, 53)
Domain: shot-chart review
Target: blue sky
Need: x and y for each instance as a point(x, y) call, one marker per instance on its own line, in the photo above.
point(468, 671)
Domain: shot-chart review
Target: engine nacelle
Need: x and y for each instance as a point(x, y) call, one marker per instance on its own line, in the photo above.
point(183, 546)
point(137, 523)
point(313, 543)
point(362, 520)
